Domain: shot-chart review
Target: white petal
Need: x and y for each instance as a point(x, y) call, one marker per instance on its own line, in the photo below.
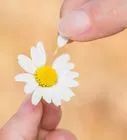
point(64, 68)
point(72, 75)
point(61, 64)
point(61, 93)
point(56, 99)
point(47, 97)
point(67, 82)
point(46, 93)
point(67, 79)
point(66, 94)
point(62, 58)
point(30, 87)
point(38, 55)
point(24, 77)
point(52, 95)
point(61, 41)
point(72, 83)
point(26, 63)
point(36, 97)
point(68, 66)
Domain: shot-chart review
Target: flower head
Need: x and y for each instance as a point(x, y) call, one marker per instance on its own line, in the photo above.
point(50, 83)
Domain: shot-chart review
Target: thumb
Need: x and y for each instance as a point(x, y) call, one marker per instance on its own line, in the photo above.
point(24, 124)
point(86, 20)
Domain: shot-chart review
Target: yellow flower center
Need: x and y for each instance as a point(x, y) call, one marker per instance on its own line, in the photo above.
point(46, 76)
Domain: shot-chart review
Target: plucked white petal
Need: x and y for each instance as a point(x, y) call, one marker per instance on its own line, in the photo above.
point(61, 41)
point(30, 87)
point(38, 55)
point(36, 97)
point(24, 77)
point(26, 63)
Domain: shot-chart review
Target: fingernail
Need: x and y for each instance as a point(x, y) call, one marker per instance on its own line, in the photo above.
point(74, 23)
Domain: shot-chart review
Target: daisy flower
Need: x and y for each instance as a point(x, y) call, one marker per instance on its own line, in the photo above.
point(50, 83)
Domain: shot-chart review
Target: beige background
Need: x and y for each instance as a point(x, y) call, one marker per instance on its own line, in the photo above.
point(99, 110)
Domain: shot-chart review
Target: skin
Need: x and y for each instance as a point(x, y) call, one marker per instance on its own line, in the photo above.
point(103, 18)
point(35, 123)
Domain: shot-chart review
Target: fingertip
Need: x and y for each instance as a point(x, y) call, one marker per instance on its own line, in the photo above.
point(28, 109)
point(92, 20)
point(51, 116)
point(74, 23)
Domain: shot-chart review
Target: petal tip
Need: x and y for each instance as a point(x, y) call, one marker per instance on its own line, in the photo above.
point(77, 74)
point(77, 84)
point(39, 44)
point(68, 57)
point(19, 56)
point(72, 65)
point(61, 41)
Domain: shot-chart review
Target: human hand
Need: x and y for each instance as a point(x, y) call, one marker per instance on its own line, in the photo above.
point(84, 20)
point(35, 123)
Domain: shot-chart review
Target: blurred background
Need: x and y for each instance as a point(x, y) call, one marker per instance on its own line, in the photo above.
point(99, 110)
